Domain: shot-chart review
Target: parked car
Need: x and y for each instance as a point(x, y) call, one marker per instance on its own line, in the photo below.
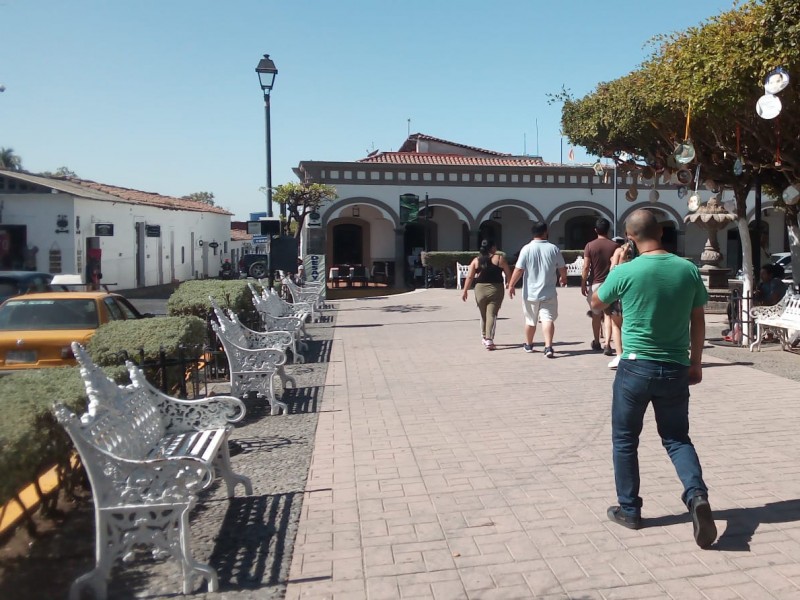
point(254, 265)
point(14, 283)
point(36, 330)
point(783, 259)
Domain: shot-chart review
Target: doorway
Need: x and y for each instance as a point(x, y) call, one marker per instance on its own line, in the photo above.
point(348, 244)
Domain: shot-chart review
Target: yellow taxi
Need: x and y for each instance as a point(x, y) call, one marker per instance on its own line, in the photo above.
point(36, 330)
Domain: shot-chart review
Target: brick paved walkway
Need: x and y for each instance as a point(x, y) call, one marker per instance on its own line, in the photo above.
point(441, 470)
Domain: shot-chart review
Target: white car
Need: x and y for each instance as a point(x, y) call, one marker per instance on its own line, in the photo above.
point(784, 259)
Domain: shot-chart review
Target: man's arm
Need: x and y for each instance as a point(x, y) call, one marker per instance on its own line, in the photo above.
point(697, 337)
point(562, 276)
point(512, 284)
point(598, 304)
point(585, 273)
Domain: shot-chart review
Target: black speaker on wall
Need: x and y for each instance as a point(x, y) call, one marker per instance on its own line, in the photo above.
point(283, 254)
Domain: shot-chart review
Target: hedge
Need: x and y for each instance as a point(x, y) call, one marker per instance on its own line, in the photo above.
point(31, 440)
point(191, 297)
point(150, 335)
point(445, 260)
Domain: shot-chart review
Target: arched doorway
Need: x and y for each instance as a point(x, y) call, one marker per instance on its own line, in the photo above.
point(348, 245)
point(579, 231)
point(491, 230)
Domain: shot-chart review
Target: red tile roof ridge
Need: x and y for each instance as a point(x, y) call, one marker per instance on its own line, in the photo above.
point(430, 138)
point(139, 196)
point(434, 158)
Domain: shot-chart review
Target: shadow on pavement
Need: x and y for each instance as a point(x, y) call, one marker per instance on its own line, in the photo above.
point(250, 544)
point(407, 308)
point(742, 523)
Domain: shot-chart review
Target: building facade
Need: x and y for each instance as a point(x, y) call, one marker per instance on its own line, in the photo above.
point(471, 194)
point(125, 238)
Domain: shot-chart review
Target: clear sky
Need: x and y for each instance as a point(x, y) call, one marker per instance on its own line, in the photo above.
point(162, 95)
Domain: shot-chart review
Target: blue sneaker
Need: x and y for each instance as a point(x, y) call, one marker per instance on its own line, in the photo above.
point(548, 352)
point(527, 347)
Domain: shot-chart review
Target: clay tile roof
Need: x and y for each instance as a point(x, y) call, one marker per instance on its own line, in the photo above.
point(148, 198)
point(410, 144)
point(237, 235)
point(418, 158)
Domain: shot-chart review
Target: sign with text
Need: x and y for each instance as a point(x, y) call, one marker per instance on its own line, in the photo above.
point(314, 267)
point(104, 229)
point(152, 230)
point(409, 208)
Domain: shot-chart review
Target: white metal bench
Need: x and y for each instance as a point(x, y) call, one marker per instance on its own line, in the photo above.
point(147, 456)
point(296, 325)
point(777, 319)
point(254, 358)
point(314, 295)
point(575, 269)
point(461, 273)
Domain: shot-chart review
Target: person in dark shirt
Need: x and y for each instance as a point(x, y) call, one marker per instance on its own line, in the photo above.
point(596, 266)
point(487, 270)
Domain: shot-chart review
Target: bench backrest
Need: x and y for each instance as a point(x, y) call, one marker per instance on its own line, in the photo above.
point(121, 420)
point(791, 311)
point(575, 268)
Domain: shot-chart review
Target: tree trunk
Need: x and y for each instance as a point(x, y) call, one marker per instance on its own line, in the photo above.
point(794, 243)
point(747, 261)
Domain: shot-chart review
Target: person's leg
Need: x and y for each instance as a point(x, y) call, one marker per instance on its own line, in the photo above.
point(628, 406)
point(548, 330)
point(531, 312)
point(616, 333)
point(597, 320)
point(607, 332)
point(548, 313)
point(482, 300)
point(671, 406)
point(493, 302)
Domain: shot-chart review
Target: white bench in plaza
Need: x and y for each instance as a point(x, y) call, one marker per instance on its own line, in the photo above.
point(461, 273)
point(779, 319)
point(254, 358)
point(313, 294)
point(575, 269)
point(147, 456)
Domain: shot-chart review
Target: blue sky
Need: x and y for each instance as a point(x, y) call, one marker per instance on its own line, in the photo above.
point(162, 95)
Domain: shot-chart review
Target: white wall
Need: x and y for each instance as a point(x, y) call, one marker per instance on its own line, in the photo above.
point(39, 212)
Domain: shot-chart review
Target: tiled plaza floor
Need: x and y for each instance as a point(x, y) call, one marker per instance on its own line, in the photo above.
point(441, 470)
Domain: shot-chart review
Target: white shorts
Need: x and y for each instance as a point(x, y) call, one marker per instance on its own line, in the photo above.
point(536, 310)
point(594, 287)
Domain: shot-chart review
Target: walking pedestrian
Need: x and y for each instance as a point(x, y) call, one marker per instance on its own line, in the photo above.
point(623, 254)
point(663, 299)
point(488, 271)
point(596, 266)
point(539, 264)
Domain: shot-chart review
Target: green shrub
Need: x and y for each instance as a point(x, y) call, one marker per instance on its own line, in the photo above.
point(30, 437)
point(152, 335)
point(191, 297)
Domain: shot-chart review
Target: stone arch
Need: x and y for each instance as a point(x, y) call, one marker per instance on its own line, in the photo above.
point(562, 208)
point(673, 214)
point(526, 207)
point(456, 207)
point(335, 210)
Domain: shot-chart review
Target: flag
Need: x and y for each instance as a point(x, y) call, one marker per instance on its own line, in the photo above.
point(571, 155)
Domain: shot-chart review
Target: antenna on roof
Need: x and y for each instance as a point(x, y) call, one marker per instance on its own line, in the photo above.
point(537, 138)
point(408, 134)
point(524, 144)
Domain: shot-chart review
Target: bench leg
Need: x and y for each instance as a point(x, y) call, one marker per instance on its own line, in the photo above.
point(188, 564)
point(757, 342)
point(223, 463)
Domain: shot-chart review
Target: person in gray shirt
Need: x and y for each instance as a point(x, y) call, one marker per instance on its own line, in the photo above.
point(540, 264)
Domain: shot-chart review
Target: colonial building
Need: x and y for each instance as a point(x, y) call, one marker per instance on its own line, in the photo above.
point(132, 238)
point(468, 193)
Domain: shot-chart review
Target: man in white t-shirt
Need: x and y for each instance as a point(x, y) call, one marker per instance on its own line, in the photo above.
point(540, 263)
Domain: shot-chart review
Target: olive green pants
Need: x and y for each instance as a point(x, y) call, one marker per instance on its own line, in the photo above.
point(489, 297)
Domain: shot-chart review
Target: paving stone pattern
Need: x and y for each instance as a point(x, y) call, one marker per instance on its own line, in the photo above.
point(441, 470)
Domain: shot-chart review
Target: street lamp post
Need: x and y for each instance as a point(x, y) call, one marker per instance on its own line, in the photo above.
point(615, 198)
point(266, 76)
point(426, 240)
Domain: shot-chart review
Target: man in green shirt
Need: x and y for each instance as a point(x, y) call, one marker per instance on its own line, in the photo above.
point(663, 326)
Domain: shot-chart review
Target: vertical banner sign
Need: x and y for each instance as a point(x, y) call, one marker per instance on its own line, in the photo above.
point(314, 266)
point(409, 208)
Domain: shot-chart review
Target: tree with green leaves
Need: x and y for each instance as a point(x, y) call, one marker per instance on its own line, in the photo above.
point(702, 85)
point(300, 199)
point(9, 160)
point(204, 197)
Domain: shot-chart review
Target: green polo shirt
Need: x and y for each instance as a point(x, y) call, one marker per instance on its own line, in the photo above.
point(658, 293)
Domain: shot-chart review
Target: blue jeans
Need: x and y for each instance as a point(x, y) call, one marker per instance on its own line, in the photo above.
point(666, 385)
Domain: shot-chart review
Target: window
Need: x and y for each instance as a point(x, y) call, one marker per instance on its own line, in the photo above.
point(113, 310)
